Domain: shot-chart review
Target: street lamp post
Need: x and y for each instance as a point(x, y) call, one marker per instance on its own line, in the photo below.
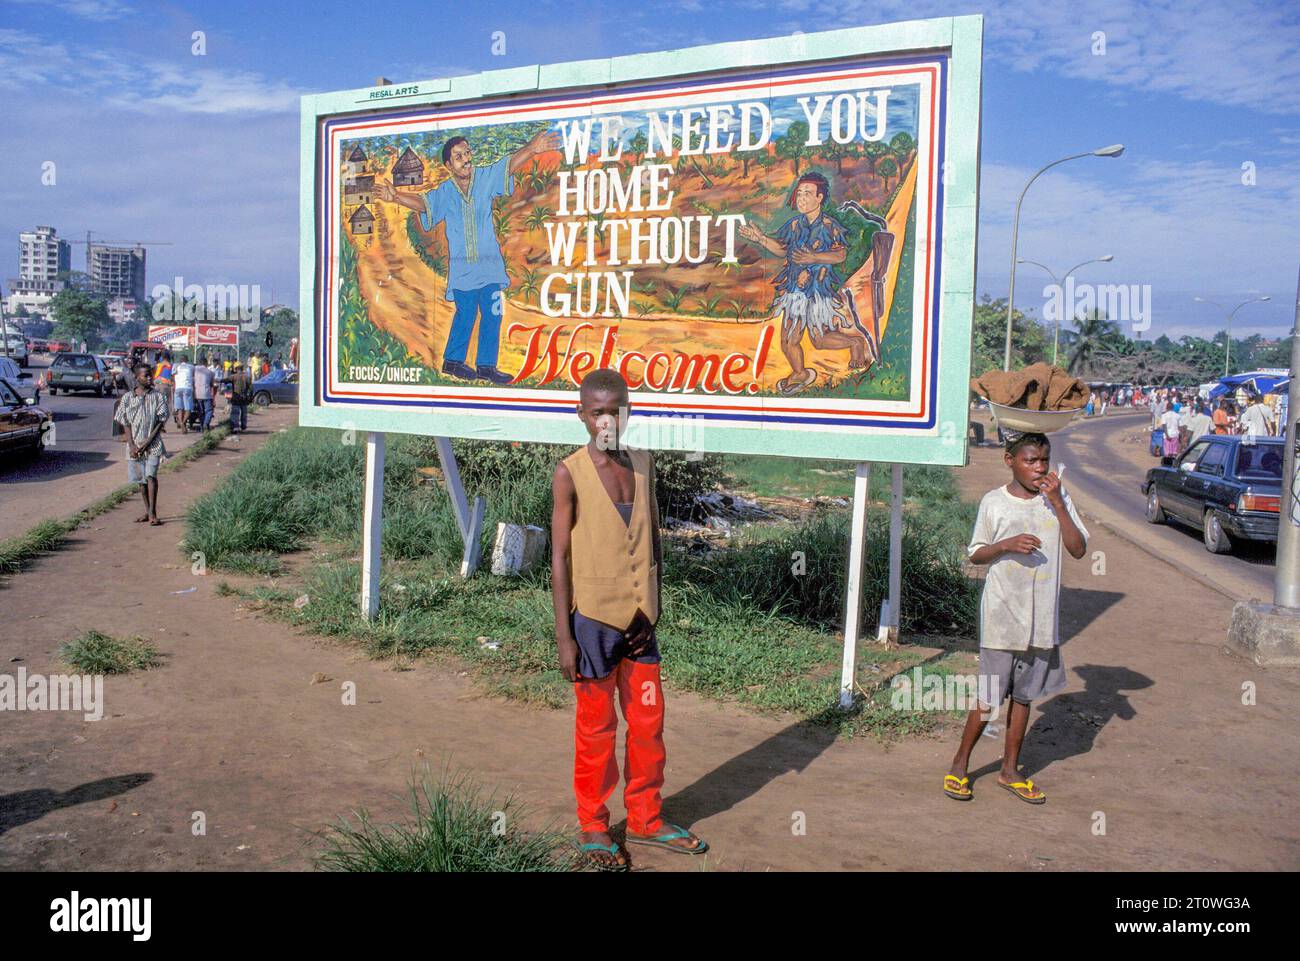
point(1227, 337)
point(1114, 150)
point(1056, 335)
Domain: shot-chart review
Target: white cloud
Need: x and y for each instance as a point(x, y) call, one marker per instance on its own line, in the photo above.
point(1242, 54)
point(190, 87)
point(1169, 224)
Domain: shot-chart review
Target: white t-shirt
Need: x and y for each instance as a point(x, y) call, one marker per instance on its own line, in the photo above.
point(1169, 421)
point(183, 375)
point(1018, 609)
point(1255, 421)
point(1199, 425)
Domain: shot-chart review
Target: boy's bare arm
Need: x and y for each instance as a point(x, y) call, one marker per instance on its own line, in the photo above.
point(564, 499)
point(1019, 544)
point(1071, 536)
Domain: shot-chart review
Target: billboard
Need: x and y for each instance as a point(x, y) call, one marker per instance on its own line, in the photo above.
point(218, 335)
point(173, 336)
point(772, 241)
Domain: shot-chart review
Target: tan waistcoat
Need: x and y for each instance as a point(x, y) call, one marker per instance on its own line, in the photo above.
point(612, 566)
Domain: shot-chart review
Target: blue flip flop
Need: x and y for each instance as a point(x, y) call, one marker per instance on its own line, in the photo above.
point(661, 841)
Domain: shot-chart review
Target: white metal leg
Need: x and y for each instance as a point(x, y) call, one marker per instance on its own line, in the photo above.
point(895, 545)
point(372, 525)
point(857, 538)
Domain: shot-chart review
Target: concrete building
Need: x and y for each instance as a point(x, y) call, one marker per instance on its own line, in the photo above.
point(42, 256)
point(116, 271)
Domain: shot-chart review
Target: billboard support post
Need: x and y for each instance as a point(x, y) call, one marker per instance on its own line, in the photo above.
point(853, 608)
point(887, 632)
point(372, 525)
point(469, 522)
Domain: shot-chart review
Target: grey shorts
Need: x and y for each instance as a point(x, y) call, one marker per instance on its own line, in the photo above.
point(1025, 676)
point(140, 468)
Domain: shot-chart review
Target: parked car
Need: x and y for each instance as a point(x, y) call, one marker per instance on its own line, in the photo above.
point(23, 422)
point(279, 386)
point(71, 372)
point(17, 349)
point(20, 380)
point(1228, 486)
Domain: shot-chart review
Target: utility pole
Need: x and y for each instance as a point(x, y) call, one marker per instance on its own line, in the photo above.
point(1286, 582)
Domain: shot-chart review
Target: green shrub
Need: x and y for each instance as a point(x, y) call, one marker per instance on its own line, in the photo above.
point(452, 827)
point(97, 653)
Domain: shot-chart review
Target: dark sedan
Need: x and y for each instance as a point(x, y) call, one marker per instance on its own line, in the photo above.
point(279, 386)
point(1228, 486)
point(23, 422)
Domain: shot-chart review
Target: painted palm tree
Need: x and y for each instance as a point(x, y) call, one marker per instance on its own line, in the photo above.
point(539, 215)
point(529, 283)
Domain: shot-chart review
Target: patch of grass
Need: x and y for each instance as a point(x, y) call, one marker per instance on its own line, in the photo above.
point(452, 827)
point(95, 652)
point(51, 534)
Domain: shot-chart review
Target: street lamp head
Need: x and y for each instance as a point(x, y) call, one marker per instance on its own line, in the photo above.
point(1266, 297)
point(1106, 259)
point(1114, 150)
point(1200, 300)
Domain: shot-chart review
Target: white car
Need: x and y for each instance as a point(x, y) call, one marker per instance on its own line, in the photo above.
point(26, 385)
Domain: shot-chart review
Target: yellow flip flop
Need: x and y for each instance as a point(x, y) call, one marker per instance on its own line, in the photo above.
point(959, 791)
point(1024, 789)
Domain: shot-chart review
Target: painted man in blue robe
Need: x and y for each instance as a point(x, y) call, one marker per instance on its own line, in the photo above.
point(476, 269)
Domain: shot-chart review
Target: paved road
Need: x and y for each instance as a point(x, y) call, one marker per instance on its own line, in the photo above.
point(82, 465)
point(1104, 479)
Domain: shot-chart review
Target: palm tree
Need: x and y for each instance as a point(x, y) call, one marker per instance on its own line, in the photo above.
point(1092, 334)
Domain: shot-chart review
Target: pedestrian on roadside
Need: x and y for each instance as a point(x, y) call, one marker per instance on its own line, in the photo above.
point(1199, 424)
point(1223, 418)
point(241, 392)
point(204, 382)
point(1257, 420)
point(183, 405)
point(1169, 422)
point(1019, 532)
point(162, 377)
point(142, 414)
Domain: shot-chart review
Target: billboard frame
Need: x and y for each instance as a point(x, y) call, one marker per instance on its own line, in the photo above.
point(944, 439)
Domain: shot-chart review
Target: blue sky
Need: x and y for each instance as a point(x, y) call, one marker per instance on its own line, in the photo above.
point(153, 143)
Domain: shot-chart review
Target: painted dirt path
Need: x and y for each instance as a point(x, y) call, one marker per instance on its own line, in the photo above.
point(1151, 732)
point(408, 300)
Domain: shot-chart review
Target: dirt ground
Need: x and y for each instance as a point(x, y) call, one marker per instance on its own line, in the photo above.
point(1150, 735)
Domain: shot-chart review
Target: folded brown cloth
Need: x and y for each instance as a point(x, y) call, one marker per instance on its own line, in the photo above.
point(1037, 387)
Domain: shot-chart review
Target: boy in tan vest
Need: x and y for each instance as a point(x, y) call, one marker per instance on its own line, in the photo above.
point(605, 558)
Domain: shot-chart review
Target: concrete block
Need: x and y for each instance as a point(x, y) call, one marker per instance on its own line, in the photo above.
point(1267, 635)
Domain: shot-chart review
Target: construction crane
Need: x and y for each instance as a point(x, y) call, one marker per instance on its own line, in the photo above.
point(90, 242)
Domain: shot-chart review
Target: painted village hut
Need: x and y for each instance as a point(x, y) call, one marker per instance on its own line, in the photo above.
point(358, 190)
point(409, 170)
point(361, 222)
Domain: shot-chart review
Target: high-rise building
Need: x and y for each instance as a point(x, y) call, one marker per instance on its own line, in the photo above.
point(42, 257)
point(116, 271)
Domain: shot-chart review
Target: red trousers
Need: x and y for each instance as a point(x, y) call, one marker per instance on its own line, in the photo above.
point(595, 771)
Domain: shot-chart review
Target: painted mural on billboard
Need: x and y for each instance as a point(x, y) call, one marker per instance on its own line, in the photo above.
point(755, 246)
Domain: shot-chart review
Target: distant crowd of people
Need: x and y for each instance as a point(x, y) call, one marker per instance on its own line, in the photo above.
point(1185, 417)
point(175, 388)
